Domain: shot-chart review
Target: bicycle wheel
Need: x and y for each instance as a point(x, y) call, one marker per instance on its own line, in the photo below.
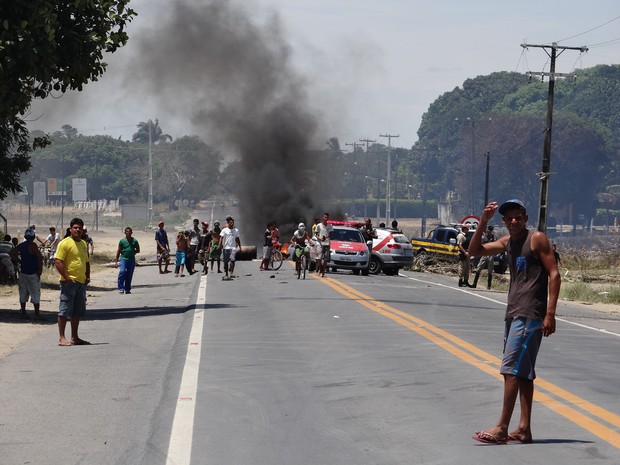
point(276, 260)
point(303, 266)
point(298, 266)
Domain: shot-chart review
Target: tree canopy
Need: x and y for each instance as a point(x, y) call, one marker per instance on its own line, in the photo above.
point(504, 114)
point(48, 47)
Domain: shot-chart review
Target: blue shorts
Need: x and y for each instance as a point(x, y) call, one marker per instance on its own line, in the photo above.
point(522, 338)
point(72, 300)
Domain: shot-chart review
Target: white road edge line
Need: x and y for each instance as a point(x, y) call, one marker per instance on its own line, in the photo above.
point(599, 330)
point(181, 436)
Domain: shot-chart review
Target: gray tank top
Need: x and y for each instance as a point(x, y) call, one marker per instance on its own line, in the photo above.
point(529, 281)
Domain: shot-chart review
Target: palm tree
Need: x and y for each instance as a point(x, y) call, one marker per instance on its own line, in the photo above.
point(157, 134)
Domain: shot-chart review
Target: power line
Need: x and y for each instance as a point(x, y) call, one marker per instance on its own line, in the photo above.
point(590, 30)
point(609, 42)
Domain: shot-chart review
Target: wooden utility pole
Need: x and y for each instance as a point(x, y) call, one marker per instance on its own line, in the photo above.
point(388, 186)
point(553, 51)
point(355, 145)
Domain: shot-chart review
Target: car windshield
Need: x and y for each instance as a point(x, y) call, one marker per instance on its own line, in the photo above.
point(347, 235)
point(400, 239)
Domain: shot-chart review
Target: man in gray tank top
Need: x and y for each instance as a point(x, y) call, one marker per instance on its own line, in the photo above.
point(530, 313)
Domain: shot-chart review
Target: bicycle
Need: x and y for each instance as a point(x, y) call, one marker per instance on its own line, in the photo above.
point(301, 265)
point(323, 258)
point(48, 259)
point(275, 262)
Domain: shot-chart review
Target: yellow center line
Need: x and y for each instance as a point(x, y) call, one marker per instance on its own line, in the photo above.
point(490, 364)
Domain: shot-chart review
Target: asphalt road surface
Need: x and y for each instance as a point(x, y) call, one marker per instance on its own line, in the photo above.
point(267, 369)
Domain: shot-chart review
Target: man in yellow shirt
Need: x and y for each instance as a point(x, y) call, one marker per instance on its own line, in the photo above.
point(74, 268)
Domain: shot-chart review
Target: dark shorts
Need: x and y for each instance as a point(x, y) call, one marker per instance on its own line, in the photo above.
point(72, 300)
point(522, 338)
point(230, 255)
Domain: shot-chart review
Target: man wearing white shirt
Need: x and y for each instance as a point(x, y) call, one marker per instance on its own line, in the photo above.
point(229, 244)
point(52, 239)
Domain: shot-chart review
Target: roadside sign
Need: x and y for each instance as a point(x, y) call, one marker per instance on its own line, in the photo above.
point(472, 221)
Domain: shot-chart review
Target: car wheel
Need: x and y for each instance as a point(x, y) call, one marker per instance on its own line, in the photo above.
point(375, 265)
point(421, 259)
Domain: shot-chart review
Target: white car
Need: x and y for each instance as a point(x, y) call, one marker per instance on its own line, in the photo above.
point(391, 251)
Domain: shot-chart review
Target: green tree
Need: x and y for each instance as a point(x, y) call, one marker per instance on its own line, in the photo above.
point(156, 133)
point(48, 47)
point(112, 169)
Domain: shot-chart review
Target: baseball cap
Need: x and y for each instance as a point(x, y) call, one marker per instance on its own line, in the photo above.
point(512, 203)
point(29, 234)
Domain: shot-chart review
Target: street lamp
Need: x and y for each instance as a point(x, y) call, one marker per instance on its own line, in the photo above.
point(472, 123)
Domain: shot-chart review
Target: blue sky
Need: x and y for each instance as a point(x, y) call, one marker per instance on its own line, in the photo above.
point(371, 66)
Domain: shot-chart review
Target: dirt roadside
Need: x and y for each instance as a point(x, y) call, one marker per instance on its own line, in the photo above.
point(15, 331)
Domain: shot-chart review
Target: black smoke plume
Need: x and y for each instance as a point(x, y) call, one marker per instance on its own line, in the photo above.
point(232, 77)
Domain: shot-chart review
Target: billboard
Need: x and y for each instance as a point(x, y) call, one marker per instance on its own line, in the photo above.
point(56, 186)
point(79, 189)
point(39, 195)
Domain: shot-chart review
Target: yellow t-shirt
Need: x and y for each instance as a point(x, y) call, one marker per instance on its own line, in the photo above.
point(75, 256)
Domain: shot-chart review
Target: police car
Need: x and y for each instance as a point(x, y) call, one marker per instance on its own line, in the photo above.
point(348, 250)
point(391, 251)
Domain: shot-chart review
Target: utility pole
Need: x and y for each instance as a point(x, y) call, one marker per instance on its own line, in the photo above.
point(388, 180)
point(472, 209)
point(486, 181)
point(367, 141)
point(355, 145)
point(150, 201)
point(354, 197)
point(555, 51)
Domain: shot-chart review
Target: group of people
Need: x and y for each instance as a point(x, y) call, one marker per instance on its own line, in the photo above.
point(300, 242)
point(71, 259)
point(530, 312)
point(199, 244)
point(485, 262)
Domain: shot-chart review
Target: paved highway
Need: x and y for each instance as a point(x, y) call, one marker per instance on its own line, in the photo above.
point(267, 370)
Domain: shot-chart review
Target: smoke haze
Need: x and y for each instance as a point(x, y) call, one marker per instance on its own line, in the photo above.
point(234, 80)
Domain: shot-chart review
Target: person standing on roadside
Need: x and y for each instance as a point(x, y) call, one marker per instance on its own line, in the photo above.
point(530, 312)
point(215, 253)
point(267, 247)
point(127, 249)
point(315, 223)
point(323, 233)
point(182, 242)
point(368, 233)
point(229, 244)
point(485, 262)
point(6, 247)
point(31, 268)
point(204, 246)
point(89, 241)
point(194, 242)
point(462, 242)
point(163, 247)
point(74, 268)
point(53, 239)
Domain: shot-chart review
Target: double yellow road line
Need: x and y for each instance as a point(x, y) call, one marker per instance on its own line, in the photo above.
point(583, 413)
